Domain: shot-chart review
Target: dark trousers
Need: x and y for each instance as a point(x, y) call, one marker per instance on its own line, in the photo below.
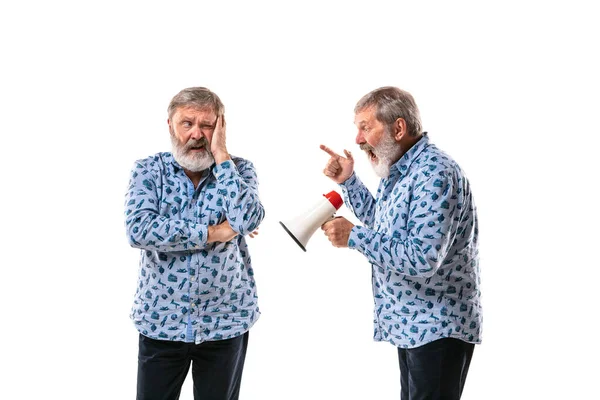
point(216, 368)
point(437, 370)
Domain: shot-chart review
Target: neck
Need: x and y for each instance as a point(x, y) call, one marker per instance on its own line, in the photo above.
point(194, 176)
point(407, 143)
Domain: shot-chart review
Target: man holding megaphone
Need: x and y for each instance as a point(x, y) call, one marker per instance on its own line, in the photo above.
point(420, 235)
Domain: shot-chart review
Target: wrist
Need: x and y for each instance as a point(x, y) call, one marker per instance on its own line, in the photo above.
point(221, 156)
point(210, 237)
point(344, 180)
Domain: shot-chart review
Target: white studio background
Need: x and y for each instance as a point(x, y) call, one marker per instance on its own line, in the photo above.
point(510, 90)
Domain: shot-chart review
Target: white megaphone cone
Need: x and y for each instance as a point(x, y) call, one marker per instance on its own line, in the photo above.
point(304, 225)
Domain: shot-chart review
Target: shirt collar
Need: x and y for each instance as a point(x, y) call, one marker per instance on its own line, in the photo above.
point(403, 164)
point(174, 164)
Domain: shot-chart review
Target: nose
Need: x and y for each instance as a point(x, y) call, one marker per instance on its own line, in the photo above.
point(360, 138)
point(196, 133)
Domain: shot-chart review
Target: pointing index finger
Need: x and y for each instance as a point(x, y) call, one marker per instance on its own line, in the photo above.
point(329, 151)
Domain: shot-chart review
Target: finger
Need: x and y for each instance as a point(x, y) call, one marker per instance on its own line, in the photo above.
point(332, 168)
point(348, 155)
point(333, 163)
point(329, 151)
point(328, 173)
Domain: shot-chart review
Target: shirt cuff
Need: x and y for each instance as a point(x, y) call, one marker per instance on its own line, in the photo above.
point(224, 171)
point(357, 237)
point(202, 235)
point(348, 183)
point(348, 186)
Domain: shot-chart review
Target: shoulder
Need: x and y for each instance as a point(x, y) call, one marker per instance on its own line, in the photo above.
point(434, 164)
point(155, 160)
point(242, 163)
point(155, 164)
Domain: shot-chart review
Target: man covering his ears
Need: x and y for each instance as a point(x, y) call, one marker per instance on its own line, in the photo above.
point(189, 212)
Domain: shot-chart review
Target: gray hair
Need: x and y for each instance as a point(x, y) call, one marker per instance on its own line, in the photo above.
point(390, 104)
point(197, 97)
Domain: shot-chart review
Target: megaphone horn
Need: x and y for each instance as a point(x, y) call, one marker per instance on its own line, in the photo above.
point(304, 225)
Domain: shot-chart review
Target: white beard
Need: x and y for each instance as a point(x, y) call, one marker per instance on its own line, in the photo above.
point(194, 162)
point(388, 152)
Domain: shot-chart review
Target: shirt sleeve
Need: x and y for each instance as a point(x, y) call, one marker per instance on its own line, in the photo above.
point(359, 199)
point(238, 187)
point(146, 228)
point(431, 227)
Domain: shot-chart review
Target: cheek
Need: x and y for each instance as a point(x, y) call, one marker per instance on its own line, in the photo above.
point(182, 137)
point(182, 134)
point(373, 138)
point(368, 138)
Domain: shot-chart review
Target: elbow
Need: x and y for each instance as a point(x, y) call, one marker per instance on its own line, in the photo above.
point(134, 237)
point(421, 267)
point(427, 273)
point(135, 233)
point(249, 221)
point(427, 268)
point(133, 242)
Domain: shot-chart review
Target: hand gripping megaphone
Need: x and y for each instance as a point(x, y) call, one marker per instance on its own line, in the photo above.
point(304, 225)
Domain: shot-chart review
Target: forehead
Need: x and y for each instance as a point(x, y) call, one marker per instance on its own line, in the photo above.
point(194, 113)
point(365, 116)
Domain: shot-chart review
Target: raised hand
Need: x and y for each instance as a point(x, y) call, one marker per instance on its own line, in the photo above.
point(218, 145)
point(338, 168)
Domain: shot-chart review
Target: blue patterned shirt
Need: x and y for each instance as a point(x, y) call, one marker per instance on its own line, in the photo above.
point(189, 290)
point(420, 236)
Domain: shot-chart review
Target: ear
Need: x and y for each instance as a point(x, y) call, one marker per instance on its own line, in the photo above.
point(400, 129)
point(169, 122)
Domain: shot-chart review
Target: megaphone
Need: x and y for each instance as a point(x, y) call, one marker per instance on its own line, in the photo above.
point(304, 225)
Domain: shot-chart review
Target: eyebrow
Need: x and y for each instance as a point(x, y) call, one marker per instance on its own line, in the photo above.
point(204, 122)
point(209, 122)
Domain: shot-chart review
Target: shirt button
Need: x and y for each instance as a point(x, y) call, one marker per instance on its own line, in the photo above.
point(193, 278)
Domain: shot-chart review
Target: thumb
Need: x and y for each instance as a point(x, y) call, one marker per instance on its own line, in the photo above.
point(348, 155)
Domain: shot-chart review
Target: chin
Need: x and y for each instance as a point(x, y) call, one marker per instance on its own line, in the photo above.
point(195, 163)
point(382, 170)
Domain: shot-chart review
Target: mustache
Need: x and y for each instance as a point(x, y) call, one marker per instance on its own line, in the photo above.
point(367, 147)
point(203, 142)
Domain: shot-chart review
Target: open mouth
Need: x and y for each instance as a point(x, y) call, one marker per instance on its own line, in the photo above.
point(197, 148)
point(372, 156)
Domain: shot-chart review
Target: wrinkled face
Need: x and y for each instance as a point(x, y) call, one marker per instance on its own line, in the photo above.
point(191, 134)
point(376, 141)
